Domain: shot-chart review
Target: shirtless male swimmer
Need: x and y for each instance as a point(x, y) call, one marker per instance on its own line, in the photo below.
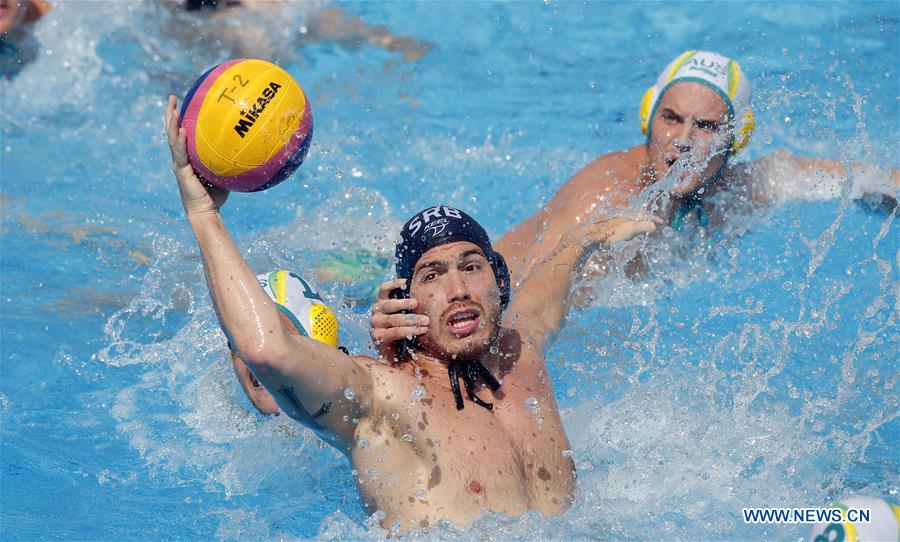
point(695, 117)
point(423, 452)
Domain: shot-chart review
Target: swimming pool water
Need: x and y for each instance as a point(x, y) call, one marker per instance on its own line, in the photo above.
point(754, 366)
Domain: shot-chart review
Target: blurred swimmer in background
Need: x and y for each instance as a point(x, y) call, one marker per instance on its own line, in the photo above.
point(17, 45)
point(263, 28)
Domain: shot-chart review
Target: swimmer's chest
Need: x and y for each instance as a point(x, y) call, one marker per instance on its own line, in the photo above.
point(446, 460)
point(492, 458)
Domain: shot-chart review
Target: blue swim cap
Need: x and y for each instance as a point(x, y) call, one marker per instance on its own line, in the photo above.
point(441, 225)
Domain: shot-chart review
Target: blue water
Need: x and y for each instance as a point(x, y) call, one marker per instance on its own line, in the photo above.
point(754, 366)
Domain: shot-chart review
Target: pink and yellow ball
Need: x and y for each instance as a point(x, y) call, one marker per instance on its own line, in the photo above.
point(248, 125)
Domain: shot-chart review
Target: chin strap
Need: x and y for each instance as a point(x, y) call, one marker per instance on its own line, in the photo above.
point(471, 370)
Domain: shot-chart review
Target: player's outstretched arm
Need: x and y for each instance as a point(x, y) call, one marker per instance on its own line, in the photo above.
point(541, 303)
point(605, 184)
point(308, 379)
point(781, 177)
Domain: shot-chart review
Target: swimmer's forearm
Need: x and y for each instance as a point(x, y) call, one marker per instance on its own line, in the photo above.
point(822, 166)
point(543, 296)
point(783, 177)
point(585, 195)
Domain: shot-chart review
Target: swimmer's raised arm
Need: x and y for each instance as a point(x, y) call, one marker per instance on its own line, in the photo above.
point(542, 301)
point(307, 378)
point(599, 185)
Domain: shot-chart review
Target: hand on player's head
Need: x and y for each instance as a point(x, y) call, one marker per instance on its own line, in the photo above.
point(393, 320)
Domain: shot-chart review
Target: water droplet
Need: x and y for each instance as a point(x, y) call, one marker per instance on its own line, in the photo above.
point(417, 393)
point(788, 285)
point(407, 437)
point(532, 404)
point(567, 453)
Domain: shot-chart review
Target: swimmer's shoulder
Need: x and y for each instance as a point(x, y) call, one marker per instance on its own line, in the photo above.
point(392, 386)
point(383, 380)
point(617, 164)
point(383, 372)
point(614, 172)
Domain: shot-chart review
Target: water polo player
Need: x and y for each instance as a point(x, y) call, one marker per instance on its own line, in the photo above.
point(696, 118)
point(302, 312)
point(258, 28)
point(421, 451)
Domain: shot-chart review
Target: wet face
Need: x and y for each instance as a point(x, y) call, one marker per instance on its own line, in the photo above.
point(690, 134)
point(12, 12)
point(457, 290)
point(256, 392)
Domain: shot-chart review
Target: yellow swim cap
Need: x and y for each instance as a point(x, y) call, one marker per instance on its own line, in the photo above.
point(304, 306)
point(715, 71)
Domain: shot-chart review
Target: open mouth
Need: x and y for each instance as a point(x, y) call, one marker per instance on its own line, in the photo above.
point(465, 322)
point(681, 169)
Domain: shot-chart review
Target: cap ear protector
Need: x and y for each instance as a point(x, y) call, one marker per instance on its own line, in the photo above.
point(715, 71)
point(501, 274)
